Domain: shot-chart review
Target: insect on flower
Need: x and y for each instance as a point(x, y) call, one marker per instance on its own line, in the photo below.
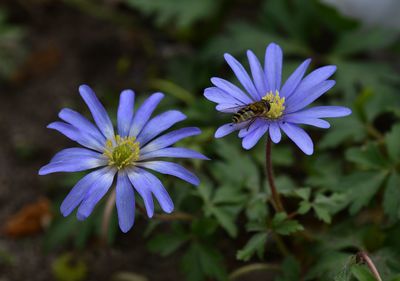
point(266, 106)
point(139, 142)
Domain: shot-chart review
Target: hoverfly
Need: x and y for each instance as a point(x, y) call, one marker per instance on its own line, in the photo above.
point(251, 111)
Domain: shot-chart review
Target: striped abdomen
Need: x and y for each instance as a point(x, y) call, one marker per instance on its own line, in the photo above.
point(243, 115)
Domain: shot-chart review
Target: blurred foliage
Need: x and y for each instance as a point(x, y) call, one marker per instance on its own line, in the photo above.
point(343, 199)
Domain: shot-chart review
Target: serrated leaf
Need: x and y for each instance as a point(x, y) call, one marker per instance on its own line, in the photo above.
point(255, 244)
point(362, 186)
point(322, 213)
point(226, 217)
point(392, 143)
point(284, 226)
point(362, 273)
point(228, 195)
point(166, 244)
point(304, 207)
point(368, 156)
point(391, 199)
point(303, 193)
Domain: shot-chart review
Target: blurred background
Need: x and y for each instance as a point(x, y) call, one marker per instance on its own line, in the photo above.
point(49, 47)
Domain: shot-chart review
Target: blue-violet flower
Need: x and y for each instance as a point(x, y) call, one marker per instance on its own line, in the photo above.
point(126, 155)
point(286, 104)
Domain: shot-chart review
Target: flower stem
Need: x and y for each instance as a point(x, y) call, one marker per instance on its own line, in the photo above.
point(276, 199)
point(363, 256)
point(251, 268)
point(105, 223)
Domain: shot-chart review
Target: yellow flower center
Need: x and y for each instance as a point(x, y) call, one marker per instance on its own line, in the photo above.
point(277, 105)
point(124, 153)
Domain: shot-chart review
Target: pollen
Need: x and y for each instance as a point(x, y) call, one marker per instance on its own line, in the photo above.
point(277, 105)
point(123, 152)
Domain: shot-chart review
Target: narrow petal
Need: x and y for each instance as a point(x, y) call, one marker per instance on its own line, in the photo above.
point(170, 138)
point(225, 130)
point(294, 79)
point(73, 162)
point(142, 186)
point(231, 89)
point(312, 80)
point(299, 137)
point(275, 132)
point(242, 76)
point(76, 135)
point(99, 113)
point(152, 183)
point(172, 169)
point(81, 123)
point(251, 127)
point(97, 190)
point(258, 74)
point(325, 111)
point(302, 100)
point(125, 202)
point(125, 112)
point(252, 138)
point(159, 124)
point(78, 192)
point(217, 95)
point(316, 122)
point(144, 112)
point(176, 152)
point(273, 67)
point(76, 152)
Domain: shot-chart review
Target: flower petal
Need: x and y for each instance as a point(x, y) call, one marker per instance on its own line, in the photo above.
point(242, 76)
point(74, 152)
point(258, 74)
point(273, 67)
point(78, 192)
point(302, 100)
point(294, 79)
point(316, 122)
point(169, 139)
point(159, 124)
point(76, 135)
point(325, 111)
point(275, 132)
point(226, 129)
point(125, 112)
point(217, 95)
point(142, 186)
point(170, 168)
point(144, 112)
point(251, 127)
point(299, 137)
point(231, 89)
point(97, 190)
point(312, 80)
point(252, 138)
point(153, 184)
point(177, 152)
point(99, 113)
point(125, 202)
point(81, 123)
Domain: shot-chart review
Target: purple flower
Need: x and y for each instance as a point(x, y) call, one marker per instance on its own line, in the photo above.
point(126, 155)
point(287, 103)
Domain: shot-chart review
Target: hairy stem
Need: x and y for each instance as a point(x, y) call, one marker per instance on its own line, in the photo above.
point(105, 223)
point(251, 268)
point(363, 256)
point(276, 199)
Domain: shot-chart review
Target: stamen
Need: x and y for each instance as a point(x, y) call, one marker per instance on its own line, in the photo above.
point(277, 105)
point(124, 153)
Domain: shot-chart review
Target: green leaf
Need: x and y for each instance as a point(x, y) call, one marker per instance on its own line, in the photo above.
point(391, 199)
point(362, 40)
point(392, 143)
point(228, 195)
point(255, 244)
point(322, 213)
point(362, 186)
point(304, 207)
point(201, 261)
point(166, 244)
point(182, 12)
point(368, 156)
point(283, 226)
point(290, 270)
point(226, 217)
point(362, 273)
point(304, 193)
